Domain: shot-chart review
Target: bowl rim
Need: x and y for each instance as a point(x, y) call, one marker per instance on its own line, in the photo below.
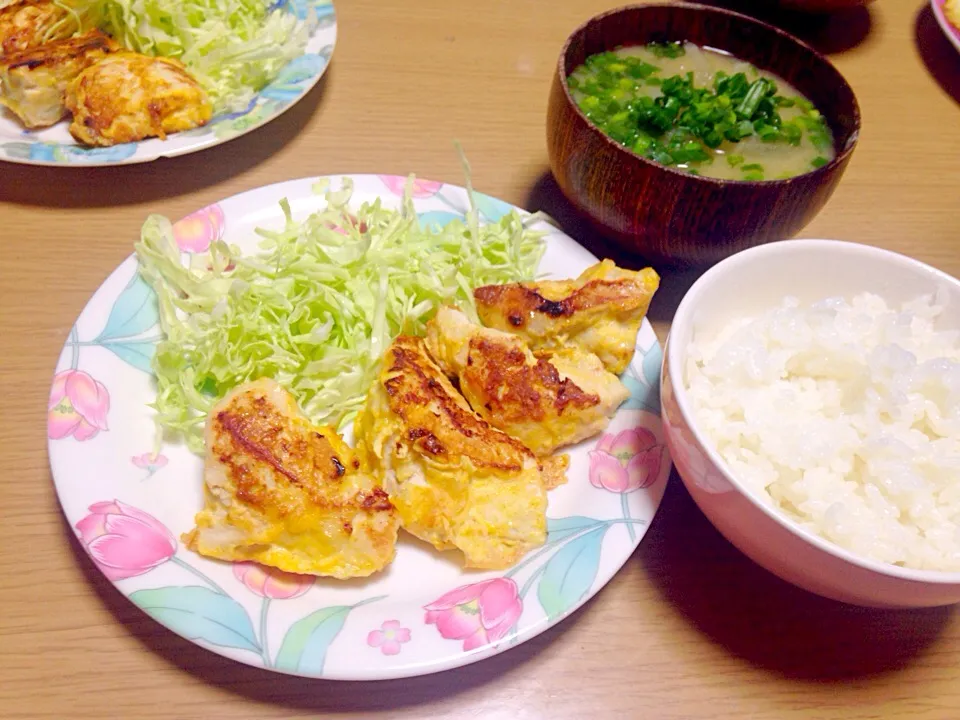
point(838, 160)
point(673, 360)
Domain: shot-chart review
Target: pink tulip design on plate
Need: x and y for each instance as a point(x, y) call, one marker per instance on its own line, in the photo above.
point(199, 229)
point(397, 184)
point(477, 614)
point(151, 462)
point(389, 638)
point(78, 406)
point(627, 461)
point(125, 541)
point(271, 583)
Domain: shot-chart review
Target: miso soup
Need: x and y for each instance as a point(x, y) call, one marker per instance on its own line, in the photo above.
point(702, 111)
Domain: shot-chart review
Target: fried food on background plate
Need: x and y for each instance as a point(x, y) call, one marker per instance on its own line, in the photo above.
point(283, 492)
point(128, 97)
point(546, 401)
point(26, 24)
point(456, 481)
point(33, 83)
point(601, 311)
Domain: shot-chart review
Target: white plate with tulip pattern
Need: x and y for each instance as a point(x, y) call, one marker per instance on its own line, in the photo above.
point(424, 613)
point(55, 146)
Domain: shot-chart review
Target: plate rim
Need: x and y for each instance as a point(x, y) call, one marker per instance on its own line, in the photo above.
point(952, 33)
point(455, 658)
point(179, 152)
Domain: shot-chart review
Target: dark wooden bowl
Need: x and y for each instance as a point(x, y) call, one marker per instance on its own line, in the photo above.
point(822, 6)
point(668, 216)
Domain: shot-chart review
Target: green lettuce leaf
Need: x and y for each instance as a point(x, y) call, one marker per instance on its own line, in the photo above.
point(232, 47)
point(318, 304)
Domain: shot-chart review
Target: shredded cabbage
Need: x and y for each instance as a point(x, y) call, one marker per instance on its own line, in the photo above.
point(317, 306)
point(232, 47)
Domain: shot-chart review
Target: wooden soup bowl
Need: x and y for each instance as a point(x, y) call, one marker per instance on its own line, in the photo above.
point(669, 216)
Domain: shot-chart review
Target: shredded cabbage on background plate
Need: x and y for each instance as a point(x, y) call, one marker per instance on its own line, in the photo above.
point(232, 47)
point(319, 303)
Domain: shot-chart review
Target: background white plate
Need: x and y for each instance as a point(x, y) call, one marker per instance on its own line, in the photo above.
point(424, 613)
point(952, 33)
point(55, 145)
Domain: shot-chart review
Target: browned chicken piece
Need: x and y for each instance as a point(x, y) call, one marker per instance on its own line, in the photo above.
point(283, 492)
point(30, 23)
point(546, 400)
point(33, 83)
point(456, 482)
point(129, 97)
point(600, 312)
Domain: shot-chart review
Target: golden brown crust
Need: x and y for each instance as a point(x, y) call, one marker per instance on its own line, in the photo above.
point(440, 420)
point(92, 45)
point(263, 454)
point(33, 82)
point(28, 24)
point(456, 482)
point(544, 400)
point(514, 390)
point(518, 303)
point(601, 311)
point(281, 491)
point(129, 97)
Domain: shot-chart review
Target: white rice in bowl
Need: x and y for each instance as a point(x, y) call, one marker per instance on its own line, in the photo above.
point(844, 416)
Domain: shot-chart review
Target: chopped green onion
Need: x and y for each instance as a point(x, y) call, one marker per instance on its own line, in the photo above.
point(751, 101)
point(667, 49)
point(681, 123)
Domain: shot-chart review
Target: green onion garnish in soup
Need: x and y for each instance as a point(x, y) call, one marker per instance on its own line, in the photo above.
point(702, 111)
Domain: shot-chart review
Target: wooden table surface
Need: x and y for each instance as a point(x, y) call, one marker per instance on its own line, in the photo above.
point(689, 628)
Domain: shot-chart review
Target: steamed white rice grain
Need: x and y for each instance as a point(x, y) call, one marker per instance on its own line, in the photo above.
point(843, 415)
